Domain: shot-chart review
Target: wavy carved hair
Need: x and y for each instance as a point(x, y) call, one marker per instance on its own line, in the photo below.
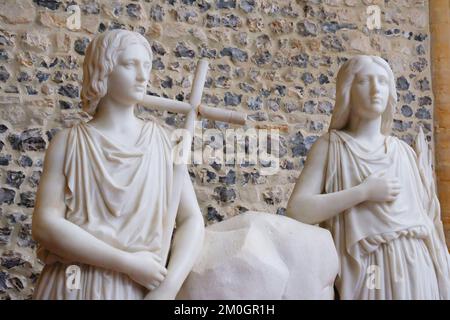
point(100, 60)
point(344, 82)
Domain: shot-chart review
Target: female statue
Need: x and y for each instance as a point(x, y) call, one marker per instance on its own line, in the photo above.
point(365, 187)
point(106, 190)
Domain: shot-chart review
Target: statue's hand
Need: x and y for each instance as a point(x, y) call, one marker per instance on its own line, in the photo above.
point(378, 188)
point(146, 269)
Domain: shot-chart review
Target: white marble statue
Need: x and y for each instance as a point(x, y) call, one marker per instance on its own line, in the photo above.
point(107, 200)
point(256, 255)
point(369, 190)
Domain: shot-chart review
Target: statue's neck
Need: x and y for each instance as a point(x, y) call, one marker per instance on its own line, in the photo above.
point(365, 129)
point(113, 114)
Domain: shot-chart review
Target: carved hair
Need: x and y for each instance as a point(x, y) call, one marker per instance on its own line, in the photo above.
point(100, 60)
point(344, 83)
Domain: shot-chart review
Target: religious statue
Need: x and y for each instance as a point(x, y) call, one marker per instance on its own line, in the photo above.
point(110, 194)
point(370, 191)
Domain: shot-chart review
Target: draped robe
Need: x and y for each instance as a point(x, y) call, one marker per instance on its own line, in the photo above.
point(119, 194)
point(387, 250)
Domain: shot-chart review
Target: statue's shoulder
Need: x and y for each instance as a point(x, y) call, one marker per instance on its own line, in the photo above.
point(160, 126)
point(336, 135)
point(325, 139)
point(65, 135)
point(57, 147)
point(401, 143)
point(60, 138)
point(320, 146)
point(164, 130)
point(403, 148)
point(326, 136)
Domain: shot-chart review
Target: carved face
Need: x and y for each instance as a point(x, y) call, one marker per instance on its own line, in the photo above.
point(128, 81)
point(370, 91)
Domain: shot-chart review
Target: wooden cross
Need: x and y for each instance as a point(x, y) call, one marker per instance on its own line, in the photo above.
point(210, 113)
point(192, 109)
point(216, 114)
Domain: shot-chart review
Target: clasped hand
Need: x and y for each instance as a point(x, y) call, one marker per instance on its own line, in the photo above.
point(146, 269)
point(379, 188)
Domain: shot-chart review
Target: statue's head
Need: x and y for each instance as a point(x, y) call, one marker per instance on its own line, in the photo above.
point(117, 64)
point(365, 87)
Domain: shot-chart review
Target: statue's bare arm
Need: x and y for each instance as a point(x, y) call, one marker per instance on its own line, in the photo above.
point(308, 202)
point(186, 245)
point(69, 241)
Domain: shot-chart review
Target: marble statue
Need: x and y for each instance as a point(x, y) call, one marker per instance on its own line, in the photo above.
point(256, 255)
point(370, 191)
point(110, 193)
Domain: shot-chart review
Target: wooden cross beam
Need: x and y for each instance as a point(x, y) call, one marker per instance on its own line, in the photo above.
point(216, 114)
